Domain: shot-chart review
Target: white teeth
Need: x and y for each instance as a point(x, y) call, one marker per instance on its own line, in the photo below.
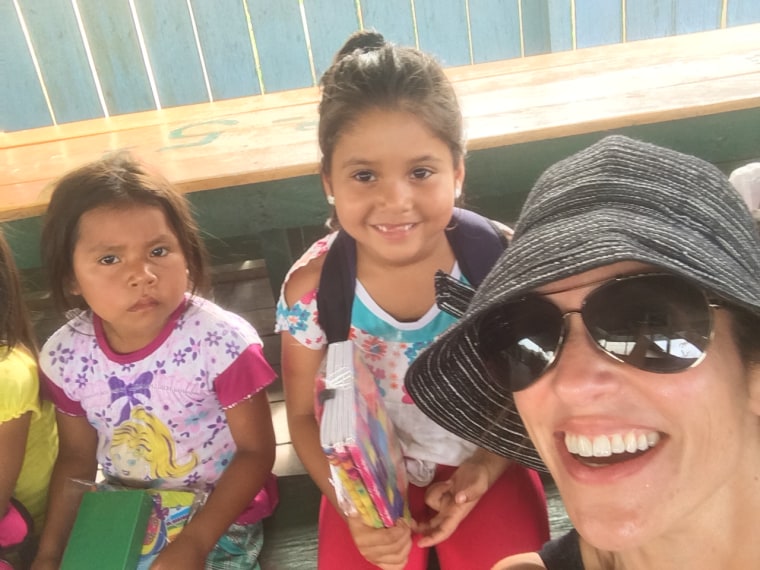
point(405, 228)
point(607, 445)
point(602, 447)
point(585, 449)
point(618, 445)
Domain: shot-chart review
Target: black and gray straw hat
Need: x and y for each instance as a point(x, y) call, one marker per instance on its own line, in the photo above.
point(618, 200)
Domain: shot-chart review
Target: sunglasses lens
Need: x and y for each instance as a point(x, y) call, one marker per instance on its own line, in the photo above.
point(657, 323)
point(518, 341)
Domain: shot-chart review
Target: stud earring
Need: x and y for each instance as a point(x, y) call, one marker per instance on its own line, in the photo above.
point(331, 199)
point(457, 192)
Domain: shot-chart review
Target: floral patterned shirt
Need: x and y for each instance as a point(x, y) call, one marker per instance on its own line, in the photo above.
point(160, 412)
point(387, 347)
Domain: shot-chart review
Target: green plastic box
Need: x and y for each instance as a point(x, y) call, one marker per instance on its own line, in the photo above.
point(109, 531)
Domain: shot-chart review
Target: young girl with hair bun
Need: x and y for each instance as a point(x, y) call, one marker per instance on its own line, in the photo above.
point(392, 145)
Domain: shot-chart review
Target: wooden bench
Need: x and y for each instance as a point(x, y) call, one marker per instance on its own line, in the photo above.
point(696, 92)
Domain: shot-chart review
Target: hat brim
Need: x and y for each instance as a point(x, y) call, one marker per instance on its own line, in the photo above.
point(449, 380)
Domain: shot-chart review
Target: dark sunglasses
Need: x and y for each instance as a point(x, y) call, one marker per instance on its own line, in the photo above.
point(655, 322)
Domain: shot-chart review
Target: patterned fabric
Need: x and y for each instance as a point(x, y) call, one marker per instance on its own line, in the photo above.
point(160, 412)
point(238, 549)
point(20, 395)
point(388, 347)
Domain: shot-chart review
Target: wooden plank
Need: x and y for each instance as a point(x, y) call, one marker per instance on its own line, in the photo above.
point(187, 113)
point(392, 18)
point(495, 28)
point(330, 22)
point(117, 56)
point(24, 105)
point(697, 15)
point(658, 18)
point(743, 12)
point(61, 55)
point(584, 91)
point(227, 49)
point(536, 27)
point(560, 25)
point(442, 30)
point(281, 44)
point(172, 51)
point(597, 23)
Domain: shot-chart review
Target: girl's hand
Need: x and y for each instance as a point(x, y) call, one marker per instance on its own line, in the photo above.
point(453, 499)
point(180, 555)
point(456, 497)
point(387, 548)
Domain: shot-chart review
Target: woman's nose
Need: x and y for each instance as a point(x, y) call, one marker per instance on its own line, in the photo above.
point(582, 372)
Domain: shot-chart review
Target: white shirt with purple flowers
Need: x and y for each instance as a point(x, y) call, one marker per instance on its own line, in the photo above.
point(387, 347)
point(160, 412)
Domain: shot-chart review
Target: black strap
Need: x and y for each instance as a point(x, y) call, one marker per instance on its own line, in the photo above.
point(476, 242)
point(337, 285)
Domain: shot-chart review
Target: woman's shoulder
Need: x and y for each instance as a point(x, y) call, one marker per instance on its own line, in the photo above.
point(526, 561)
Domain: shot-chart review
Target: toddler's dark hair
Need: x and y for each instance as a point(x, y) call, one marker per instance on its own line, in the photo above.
point(15, 324)
point(116, 181)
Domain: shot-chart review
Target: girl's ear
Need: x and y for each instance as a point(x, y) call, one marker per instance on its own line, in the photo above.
point(327, 187)
point(74, 287)
point(459, 177)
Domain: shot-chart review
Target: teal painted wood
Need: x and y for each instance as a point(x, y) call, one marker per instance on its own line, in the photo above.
point(281, 44)
point(442, 30)
point(392, 18)
point(536, 20)
point(61, 55)
point(116, 52)
point(23, 103)
point(560, 25)
point(170, 43)
point(742, 12)
point(598, 23)
point(495, 28)
point(697, 15)
point(658, 18)
point(330, 22)
point(227, 50)
point(649, 19)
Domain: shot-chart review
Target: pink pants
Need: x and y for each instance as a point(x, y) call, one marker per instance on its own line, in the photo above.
point(510, 518)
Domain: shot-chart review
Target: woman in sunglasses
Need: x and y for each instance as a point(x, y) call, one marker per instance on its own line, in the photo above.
point(617, 343)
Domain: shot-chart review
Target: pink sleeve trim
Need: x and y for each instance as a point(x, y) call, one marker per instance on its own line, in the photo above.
point(59, 398)
point(248, 374)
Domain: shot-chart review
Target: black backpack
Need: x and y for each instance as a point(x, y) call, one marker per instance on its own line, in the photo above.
point(476, 241)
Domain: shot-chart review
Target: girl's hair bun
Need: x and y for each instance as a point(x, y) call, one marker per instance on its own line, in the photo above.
point(363, 40)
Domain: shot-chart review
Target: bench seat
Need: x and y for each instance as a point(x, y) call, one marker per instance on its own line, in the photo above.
point(272, 137)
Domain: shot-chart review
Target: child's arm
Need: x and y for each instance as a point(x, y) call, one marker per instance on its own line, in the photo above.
point(456, 497)
point(77, 459)
point(250, 424)
point(13, 435)
point(299, 369)
point(385, 547)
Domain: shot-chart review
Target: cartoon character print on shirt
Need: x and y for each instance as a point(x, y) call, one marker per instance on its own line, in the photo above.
point(143, 449)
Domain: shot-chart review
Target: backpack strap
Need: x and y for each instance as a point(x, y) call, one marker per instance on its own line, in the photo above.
point(477, 243)
point(475, 240)
point(337, 285)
